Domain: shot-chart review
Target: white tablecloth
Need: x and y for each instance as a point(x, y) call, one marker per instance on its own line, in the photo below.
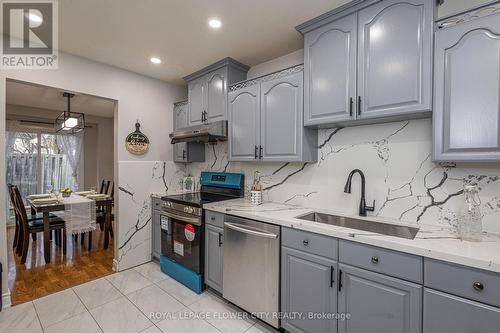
point(79, 214)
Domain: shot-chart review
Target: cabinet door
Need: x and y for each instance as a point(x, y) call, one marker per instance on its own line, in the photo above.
point(180, 116)
point(217, 95)
point(180, 152)
point(244, 123)
point(330, 72)
point(213, 256)
point(446, 313)
point(378, 303)
point(282, 118)
point(196, 96)
point(156, 235)
point(308, 286)
point(467, 91)
point(394, 61)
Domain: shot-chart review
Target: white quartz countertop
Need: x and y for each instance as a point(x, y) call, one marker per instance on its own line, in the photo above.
point(431, 241)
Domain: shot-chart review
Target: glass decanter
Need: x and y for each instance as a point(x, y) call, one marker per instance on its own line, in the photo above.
point(470, 226)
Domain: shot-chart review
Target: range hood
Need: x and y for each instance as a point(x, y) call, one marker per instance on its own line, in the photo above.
point(213, 132)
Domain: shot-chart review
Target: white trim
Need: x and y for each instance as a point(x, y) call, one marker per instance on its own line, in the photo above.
point(6, 302)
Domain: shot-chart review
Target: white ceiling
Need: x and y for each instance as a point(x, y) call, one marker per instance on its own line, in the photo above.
point(40, 97)
point(126, 33)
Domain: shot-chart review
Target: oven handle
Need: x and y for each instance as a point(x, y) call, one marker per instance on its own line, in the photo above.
point(237, 227)
point(192, 220)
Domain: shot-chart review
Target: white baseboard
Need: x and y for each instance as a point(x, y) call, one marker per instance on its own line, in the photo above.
point(6, 303)
point(115, 265)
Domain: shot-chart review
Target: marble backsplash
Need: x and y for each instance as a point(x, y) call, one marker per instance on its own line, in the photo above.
point(400, 176)
point(395, 158)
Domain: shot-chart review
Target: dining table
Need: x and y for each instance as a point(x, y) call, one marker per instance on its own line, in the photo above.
point(46, 208)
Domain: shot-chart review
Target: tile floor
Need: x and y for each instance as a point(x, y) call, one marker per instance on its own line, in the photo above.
point(123, 303)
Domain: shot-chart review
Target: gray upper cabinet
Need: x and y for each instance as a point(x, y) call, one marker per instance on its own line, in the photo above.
point(281, 118)
point(378, 303)
point(369, 61)
point(196, 96)
point(467, 90)
point(207, 90)
point(330, 72)
point(217, 95)
point(308, 286)
point(180, 115)
point(395, 54)
point(244, 123)
point(266, 120)
point(186, 152)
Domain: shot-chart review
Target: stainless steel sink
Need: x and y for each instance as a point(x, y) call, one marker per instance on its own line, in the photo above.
point(375, 227)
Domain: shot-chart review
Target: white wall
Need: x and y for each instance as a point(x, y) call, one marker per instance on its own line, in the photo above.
point(137, 97)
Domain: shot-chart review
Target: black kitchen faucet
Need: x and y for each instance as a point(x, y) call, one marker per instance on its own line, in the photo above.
point(363, 208)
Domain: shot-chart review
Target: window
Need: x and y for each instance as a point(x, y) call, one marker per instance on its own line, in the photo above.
point(35, 161)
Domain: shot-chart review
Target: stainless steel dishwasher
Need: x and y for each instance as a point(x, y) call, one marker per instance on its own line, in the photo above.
point(252, 266)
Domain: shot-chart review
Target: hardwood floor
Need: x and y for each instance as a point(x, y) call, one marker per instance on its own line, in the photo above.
point(36, 279)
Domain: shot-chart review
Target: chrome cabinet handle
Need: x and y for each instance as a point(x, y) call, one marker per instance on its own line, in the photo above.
point(256, 155)
point(305, 242)
point(478, 286)
point(359, 105)
point(375, 259)
point(237, 227)
point(220, 239)
point(351, 102)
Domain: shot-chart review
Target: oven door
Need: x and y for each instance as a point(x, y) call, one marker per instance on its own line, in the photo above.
point(182, 240)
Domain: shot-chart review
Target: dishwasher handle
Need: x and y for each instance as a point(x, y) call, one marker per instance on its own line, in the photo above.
point(239, 227)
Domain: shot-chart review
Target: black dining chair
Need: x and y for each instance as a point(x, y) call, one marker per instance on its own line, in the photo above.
point(28, 227)
point(17, 244)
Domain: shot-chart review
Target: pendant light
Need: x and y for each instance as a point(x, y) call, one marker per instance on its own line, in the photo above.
point(68, 121)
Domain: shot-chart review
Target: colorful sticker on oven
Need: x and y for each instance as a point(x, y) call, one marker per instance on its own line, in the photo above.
point(179, 248)
point(189, 232)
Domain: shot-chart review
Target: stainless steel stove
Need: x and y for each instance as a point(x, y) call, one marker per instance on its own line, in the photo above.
point(182, 236)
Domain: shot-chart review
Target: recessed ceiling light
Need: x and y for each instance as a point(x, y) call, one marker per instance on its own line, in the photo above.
point(215, 23)
point(155, 60)
point(35, 18)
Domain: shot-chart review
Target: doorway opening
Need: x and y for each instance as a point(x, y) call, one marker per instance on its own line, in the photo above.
point(44, 159)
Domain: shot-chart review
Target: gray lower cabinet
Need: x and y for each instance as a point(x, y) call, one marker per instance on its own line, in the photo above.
point(308, 286)
point(266, 120)
point(214, 249)
point(467, 90)
point(445, 313)
point(155, 228)
point(378, 303)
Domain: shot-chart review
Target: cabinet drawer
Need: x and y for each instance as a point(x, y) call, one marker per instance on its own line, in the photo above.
point(448, 313)
point(214, 218)
point(156, 203)
point(479, 285)
point(309, 242)
point(397, 264)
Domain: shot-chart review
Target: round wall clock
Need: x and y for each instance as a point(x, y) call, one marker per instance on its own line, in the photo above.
point(136, 142)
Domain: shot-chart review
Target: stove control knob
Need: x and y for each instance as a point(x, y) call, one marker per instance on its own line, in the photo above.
point(168, 204)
